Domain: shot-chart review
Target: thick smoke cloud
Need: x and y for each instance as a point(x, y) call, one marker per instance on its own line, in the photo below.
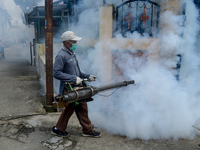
point(158, 106)
point(13, 31)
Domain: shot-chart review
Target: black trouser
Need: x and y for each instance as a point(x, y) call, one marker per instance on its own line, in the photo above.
point(81, 111)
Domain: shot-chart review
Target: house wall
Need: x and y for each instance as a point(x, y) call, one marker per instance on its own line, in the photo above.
point(149, 44)
point(106, 29)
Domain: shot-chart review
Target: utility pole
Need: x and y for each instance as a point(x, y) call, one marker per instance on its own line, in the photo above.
point(49, 51)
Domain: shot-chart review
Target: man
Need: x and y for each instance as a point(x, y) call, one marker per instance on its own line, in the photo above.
point(66, 69)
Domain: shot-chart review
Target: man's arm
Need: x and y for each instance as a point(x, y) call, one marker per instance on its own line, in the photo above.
point(84, 75)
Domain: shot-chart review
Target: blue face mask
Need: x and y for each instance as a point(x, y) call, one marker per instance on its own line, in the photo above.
point(73, 48)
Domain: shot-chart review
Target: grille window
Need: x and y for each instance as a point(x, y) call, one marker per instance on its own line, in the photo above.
point(138, 15)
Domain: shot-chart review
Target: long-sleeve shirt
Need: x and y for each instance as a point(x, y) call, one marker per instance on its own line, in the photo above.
point(66, 68)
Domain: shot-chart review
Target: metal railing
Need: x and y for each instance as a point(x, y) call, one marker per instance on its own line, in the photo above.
point(138, 15)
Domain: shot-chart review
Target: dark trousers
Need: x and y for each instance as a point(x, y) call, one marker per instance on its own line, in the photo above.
point(81, 111)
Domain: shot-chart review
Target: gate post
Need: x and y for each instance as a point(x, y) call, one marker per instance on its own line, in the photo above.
point(105, 35)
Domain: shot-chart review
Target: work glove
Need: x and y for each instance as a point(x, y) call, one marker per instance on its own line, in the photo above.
point(92, 78)
point(78, 80)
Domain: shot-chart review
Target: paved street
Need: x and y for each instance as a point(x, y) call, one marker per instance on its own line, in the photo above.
point(24, 124)
point(20, 88)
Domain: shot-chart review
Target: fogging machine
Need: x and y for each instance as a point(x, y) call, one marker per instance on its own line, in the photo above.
point(83, 93)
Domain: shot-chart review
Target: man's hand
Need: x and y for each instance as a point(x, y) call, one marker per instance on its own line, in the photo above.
point(78, 80)
point(92, 78)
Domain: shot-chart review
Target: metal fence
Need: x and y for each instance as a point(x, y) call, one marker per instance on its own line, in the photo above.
point(138, 15)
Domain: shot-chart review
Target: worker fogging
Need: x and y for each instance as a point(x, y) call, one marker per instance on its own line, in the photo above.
point(159, 106)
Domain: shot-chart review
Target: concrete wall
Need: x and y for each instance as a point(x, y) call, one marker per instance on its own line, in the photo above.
point(41, 63)
point(106, 29)
point(149, 44)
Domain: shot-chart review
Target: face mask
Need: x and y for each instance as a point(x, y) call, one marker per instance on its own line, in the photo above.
point(73, 48)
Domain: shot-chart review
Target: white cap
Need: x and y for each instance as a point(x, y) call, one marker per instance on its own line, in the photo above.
point(69, 35)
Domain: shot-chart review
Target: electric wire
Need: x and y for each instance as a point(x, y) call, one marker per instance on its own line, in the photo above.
point(109, 94)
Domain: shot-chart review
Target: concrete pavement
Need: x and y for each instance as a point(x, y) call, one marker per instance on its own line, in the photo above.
point(25, 125)
point(20, 91)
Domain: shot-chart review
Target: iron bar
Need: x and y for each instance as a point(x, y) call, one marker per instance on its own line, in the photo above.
point(34, 60)
point(136, 23)
point(31, 53)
